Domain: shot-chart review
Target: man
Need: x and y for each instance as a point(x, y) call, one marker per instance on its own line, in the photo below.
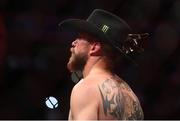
point(101, 94)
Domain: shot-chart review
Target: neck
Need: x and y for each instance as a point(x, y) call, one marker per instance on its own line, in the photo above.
point(95, 64)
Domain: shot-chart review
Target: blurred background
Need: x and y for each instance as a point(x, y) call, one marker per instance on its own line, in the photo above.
point(33, 55)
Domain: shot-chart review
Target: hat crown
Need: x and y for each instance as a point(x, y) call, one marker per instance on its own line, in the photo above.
point(112, 26)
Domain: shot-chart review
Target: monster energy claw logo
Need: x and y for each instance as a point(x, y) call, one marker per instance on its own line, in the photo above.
point(105, 28)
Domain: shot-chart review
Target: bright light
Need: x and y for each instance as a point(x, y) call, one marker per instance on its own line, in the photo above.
point(51, 102)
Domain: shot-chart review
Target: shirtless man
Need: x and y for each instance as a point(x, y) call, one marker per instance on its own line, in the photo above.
point(101, 94)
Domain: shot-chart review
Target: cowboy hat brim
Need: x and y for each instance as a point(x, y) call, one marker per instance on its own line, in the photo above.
point(78, 25)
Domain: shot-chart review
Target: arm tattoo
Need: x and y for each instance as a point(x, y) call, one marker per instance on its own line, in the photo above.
point(118, 103)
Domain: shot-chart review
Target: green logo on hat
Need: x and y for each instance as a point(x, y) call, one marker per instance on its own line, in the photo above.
point(105, 28)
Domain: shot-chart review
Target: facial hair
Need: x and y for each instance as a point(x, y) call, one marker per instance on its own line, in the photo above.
point(77, 61)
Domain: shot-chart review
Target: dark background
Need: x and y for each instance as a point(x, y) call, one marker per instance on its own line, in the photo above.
point(33, 55)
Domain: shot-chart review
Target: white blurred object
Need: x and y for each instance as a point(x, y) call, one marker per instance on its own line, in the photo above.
point(51, 102)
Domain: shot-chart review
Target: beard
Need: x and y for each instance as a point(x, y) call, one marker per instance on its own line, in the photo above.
point(77, 62)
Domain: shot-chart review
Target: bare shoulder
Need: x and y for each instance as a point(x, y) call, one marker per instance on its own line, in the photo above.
point(84, 87)
point(81, 95)
point(119, 101)
point(84, 103)
point(86, 90)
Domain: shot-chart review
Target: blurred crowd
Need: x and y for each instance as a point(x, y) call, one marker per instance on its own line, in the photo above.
point(33, 55)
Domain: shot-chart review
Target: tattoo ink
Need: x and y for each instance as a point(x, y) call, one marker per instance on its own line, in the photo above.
point(119, 101)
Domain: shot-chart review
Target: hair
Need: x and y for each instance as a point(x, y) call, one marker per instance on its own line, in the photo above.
point(112, 57)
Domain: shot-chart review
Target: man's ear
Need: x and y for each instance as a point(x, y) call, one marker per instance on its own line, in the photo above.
point(96, 49)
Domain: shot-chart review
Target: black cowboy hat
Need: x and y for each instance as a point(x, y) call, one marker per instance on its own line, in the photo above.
point(104, 25)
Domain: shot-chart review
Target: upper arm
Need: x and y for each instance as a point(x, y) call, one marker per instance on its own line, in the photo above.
point(84, 104)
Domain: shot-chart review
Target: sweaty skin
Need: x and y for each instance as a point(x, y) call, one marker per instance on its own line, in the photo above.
point(108, 99)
